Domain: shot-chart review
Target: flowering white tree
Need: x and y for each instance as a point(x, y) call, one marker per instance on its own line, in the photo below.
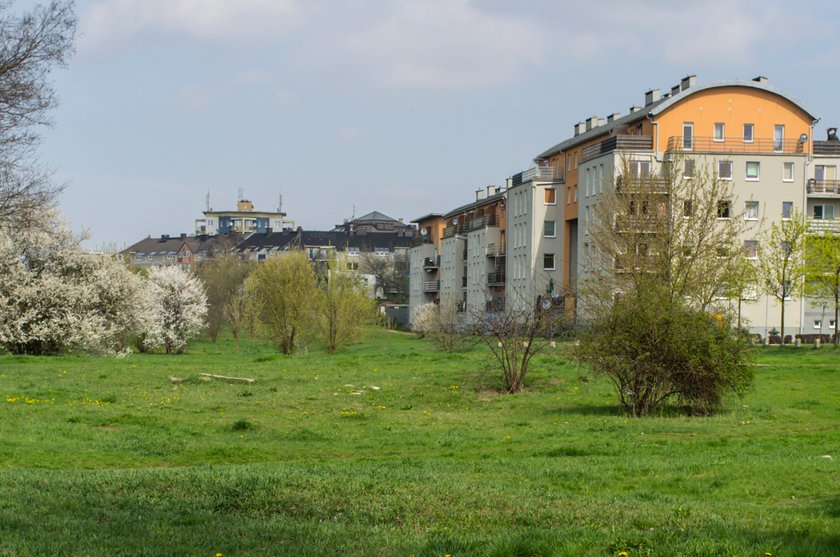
point(55, 297)
point(178, 308)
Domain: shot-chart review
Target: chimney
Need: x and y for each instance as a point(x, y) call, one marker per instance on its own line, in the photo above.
point(675, 90)
point(635, 108)
point(579, 128)
point(652, 96)
point(760, 79)
point(164, 237)
point(491, 190)
point(592, 122)
point(479, 194)
point(688, 82)
point(613, 117)
point(183, 235)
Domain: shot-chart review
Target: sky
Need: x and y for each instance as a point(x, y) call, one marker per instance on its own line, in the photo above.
point(400, 106)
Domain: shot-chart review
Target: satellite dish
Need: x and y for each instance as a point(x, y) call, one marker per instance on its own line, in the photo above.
point(423, 231)
point(455, 222)
point(803, 138)
point(546, 303)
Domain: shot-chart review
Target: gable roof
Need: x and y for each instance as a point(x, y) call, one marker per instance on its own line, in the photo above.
point(374, 216)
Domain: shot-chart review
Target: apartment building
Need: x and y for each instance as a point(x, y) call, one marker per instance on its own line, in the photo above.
point(754, 136)
point(243, 220)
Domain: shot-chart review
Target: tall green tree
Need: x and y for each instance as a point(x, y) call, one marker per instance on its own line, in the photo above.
point(223, 276)
point(282, 291)
point(822, 257)
point(781, 265)
point(343, 309)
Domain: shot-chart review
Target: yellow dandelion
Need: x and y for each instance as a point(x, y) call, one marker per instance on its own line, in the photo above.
point(622, 554)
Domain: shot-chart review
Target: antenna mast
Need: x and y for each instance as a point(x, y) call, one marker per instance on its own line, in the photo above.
point(280, 203)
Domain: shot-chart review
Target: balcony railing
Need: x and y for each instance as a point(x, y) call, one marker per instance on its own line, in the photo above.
point(420, 240)
point(618, 142)
point(480, 222)
point(431, 263)
point(641, 184)
point(539, 174)
point(431, 286)
point(495, 279)
point(823, 187)
point(497, 304)
point(831, 147)
point(818, 226)
point(637, 223)
point(736, 145)
point(496, 250)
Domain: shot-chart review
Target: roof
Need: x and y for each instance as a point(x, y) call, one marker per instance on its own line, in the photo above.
point(474, 204)
point(656, 108)
point(172, 244)
point(374, 216)
point(341, 240)
point(427, 217)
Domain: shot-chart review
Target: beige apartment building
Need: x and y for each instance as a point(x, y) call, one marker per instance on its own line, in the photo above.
point(748, 133)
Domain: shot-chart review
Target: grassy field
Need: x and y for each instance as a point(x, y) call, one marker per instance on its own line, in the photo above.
point(391, 448)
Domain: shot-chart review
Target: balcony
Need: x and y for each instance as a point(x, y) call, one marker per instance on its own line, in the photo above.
point(496, 250)
point(638, 223)
point(539, 174)
point(644, 184)
point(463, 282)
point(450, 231)
point(495, 279)
point(821, 226)
point(431, 286)
point(420, 240)
point(431, 263)
point(618, 143)
point(736, 145)
point(480, 222)
point(495, 305)
point(823, 188)
point(830, 147)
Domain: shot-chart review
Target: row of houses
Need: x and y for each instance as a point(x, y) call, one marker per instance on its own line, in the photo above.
point(360, 243)
point(530, 237)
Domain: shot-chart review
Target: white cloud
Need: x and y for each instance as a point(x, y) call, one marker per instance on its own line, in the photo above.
point(114, 21)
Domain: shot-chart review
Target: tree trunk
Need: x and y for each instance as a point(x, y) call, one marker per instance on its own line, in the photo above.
point(782, 326)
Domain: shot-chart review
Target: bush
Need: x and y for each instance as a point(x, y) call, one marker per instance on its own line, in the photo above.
point(657, 351)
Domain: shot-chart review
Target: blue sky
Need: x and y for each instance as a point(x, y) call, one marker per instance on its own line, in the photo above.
point(400, 106)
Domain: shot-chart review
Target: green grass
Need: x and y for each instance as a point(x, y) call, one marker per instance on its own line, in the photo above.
point(391, 448)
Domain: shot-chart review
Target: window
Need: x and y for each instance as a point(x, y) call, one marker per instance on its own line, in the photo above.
point(818, 323)
point(640, 169)
point(823, 172)
point(587, 180)
point(688, 136)
point(778, 138)
point(381, 252)
point(550, 196)
point(753, 170)
point(689, 168)
point(548, 262)
point(751, 210)
point(353, 251)
point(569, 195)
point(751, 249)
point(831, 324)
point(719, 131)
point(725, 170)
point(823, 212)
point(748, 133)
point(688, 208)
point(787, 209)
point(550, 229)
point(724, 209)
point(574, 194)
point(787, 174)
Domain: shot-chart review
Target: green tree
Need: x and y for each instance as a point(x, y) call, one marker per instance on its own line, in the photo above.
point(822, 256)
point(782, 261)
point(343, 309)
point(282, 292)
point(742, 282)
point(223, 276)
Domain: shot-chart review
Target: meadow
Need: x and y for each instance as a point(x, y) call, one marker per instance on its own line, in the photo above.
point(392, 448)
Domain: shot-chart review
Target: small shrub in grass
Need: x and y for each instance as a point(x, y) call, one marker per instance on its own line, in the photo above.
point(242, 425)
point(660, 351)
